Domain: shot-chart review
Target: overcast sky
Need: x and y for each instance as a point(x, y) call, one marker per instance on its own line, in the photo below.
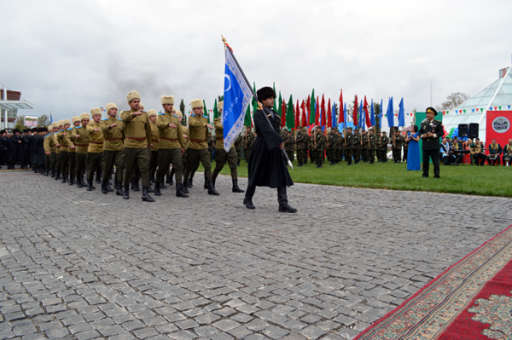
point(69, 56)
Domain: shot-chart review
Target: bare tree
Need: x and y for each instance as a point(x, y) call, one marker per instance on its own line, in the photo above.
point(20, 123)
point(454, 100)
point(43, 120)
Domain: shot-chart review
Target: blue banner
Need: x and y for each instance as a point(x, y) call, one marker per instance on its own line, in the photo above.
point(237, 96)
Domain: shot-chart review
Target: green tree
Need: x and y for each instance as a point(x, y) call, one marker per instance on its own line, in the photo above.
point(43, 121)
point(20, 123)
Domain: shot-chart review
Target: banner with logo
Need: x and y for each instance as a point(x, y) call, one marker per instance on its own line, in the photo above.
point(498, 127)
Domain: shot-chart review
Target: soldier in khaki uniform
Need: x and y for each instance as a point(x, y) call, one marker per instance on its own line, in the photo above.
point(112, 129)
point(72, 153)
point(58, 126)
point(95, 149)
point(221, 156)
point(153, 147)
point(186, 161)
point(137, 133)
point(247, 142)
point(171, 146)
point(48, 151)
point(302, 142)
point(198, 151)
point(80, 137)
point(65, 146)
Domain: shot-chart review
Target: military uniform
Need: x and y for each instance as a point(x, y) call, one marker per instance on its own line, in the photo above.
point(319, 143)
point(397, 148)
point(289, 146)
point(372, 142)
point(95, 148)
point(137, 132)
point(430, 131)
point(221, 156)
point(239, 141)
point(302, 142)
point(330, 145)
point(364, 147)
point(348, 146)
point(356, 146)
point(72, 152)
point(112, 129)
point(507, 154)
point(172, 142)
point(198, 150)
point(494, 154)
point(382, 148)
point(247, 143)
point(339, 147)
point(80, 137)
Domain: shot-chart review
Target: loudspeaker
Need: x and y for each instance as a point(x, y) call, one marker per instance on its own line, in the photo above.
point(463, 130)
point(473, 130)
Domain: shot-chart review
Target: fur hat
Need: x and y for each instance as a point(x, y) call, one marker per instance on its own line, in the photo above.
point(85, 115)
point(265, 93)
point(110, 106)
point(95, 111)
point(132, 95)
point(75, 119)
point(66, 122)
point(167, 100)
point(196, 103)
point(152, 113)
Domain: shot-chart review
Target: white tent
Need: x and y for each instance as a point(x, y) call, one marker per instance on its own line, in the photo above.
point(474, 110)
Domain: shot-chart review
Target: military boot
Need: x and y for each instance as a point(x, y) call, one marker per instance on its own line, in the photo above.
point(89, 185)
point(145, 195)
point(180, 190)
point(126, 192)
point(211, 189)
point(157, 189)
point(236, 188)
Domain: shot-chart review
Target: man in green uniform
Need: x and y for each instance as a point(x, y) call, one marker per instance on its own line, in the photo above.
point(239, 141)
point(348, 145)
point(382, 147)
point(364, 146)
point(95, 149)
point(356, 146)
point(330, 145)
point(289, 145)
point(221, 156)
point(371, 145)
point(338, 148)
point(398, 141)
point(171, 146)
point(198, 151)
point(319, 142)
point(137, 132)
point(302, 142)
point(80, 137)
point(112, 129)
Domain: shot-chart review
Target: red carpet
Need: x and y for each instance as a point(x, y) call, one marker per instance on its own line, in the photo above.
point(472, 299)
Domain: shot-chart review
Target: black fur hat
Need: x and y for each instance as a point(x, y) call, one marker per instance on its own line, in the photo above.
point(265, 93)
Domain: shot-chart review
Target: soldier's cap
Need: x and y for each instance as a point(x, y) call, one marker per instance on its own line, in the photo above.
point(197, 103)
point(75, 119)
point(110, 106)
point(432, 110)
point(95, 111)
point(66, 122)
point(132, 95)
point(84, 115)
point(152, 113)
point(167, 99)
point(265, 93)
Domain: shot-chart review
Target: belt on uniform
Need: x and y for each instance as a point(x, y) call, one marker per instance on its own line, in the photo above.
point(113, 139)
point(140, 139)
point(170, 139)
point(95, 142)
point(81, 144)
point(198, 140)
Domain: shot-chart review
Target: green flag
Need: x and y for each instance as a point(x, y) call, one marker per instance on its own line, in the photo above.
point(290, 114)
point(312, 108)
point(215, 110)
point(247, 119)
point(279, 109)
point(254, 99)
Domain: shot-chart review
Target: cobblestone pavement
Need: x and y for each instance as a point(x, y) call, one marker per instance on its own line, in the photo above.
point(83, 265)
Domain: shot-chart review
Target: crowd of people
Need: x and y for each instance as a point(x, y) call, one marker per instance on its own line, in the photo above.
point(157, 149)
point(473, 151)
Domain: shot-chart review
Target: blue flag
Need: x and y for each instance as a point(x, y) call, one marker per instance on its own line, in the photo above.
point(401, 117)
point(345, 118)
point(390, 113)
point(334, 120)
point(381, 113)
point(237, 96)
point(372, 114)
point(359, 120)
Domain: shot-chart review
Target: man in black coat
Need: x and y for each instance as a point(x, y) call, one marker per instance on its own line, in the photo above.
point(267, 163)
point(430, 132)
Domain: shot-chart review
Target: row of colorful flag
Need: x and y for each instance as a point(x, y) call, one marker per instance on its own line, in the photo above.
point(479, 109)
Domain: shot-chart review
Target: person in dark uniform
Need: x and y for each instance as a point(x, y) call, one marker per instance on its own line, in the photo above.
point(267, 163)
point(430, 132)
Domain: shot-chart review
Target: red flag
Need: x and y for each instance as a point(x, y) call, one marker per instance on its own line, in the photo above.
point(355, 112)
point(317, 111)
point(329, 114)
point(297, 115)
point(323, 110)
point(365, 108)
point(304, 119)
point(341, 118)
point(283, 113)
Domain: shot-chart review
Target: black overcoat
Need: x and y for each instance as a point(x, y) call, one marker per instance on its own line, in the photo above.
point(267, 164)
